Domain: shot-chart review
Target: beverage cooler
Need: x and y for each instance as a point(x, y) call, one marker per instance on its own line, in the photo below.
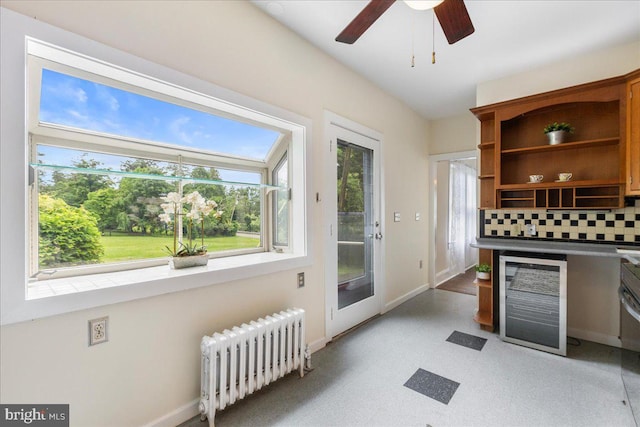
point(533, 301)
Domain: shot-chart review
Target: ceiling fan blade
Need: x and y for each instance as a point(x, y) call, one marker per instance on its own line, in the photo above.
point(364, 20)
point(454, 20)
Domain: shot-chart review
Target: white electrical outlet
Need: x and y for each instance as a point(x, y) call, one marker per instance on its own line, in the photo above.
point(530, 229)
point(98, 329)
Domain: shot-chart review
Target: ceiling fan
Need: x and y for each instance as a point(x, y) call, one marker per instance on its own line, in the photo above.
point(452, 15)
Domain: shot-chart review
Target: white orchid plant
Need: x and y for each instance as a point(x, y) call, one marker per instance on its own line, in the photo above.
point(194, 208)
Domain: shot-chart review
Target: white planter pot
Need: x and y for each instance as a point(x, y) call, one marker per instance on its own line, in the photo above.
point(178, 262)
point(481, 275)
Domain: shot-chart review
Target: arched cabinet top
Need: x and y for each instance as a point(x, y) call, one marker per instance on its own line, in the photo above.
point(600, 91)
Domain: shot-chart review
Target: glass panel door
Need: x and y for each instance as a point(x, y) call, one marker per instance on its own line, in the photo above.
point(355, 223)
point(354, 247)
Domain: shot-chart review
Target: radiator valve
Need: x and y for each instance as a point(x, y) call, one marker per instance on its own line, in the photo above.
point(307, 359)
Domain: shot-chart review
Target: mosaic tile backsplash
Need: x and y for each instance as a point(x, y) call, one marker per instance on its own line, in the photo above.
point(619, 226)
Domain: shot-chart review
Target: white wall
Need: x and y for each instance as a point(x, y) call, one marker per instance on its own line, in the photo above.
point(441, 248)
point(592, 306)
point(150, 366)
point(570, 72)
point(453, 134)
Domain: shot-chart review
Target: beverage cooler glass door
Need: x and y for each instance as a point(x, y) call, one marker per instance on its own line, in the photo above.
point(533, 302)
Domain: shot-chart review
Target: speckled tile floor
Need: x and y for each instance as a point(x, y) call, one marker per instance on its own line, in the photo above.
point(359, 380)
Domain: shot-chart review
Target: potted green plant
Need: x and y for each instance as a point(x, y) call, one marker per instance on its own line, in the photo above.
point(557, 132)
point(482, 271)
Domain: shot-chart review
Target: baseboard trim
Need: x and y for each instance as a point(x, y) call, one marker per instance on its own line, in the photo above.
point(318, 344)
point(177, 416)
point(404, 298)
point(443, 276)
point(594, 337)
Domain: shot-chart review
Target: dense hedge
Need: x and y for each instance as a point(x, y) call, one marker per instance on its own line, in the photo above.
point(68, 235)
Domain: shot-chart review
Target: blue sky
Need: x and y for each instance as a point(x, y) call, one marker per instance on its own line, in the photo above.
point(71, 101)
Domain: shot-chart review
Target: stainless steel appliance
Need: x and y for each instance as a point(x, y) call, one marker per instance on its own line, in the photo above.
point(533, 301)
point(629, 292)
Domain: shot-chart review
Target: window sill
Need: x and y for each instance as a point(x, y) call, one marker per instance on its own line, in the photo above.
point(56, 296)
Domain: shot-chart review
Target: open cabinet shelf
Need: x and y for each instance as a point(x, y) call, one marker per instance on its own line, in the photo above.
point(564, 146)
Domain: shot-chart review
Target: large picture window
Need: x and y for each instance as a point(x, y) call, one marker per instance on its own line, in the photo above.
point(105, 155)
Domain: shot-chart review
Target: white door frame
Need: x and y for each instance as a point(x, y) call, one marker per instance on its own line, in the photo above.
point(331, 122)
point(433, 220)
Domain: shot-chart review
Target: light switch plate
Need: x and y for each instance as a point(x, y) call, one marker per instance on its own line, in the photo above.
point(417, 216)
point(396, 217)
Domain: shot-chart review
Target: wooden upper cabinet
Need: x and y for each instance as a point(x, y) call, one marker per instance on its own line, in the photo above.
point(633, 134)
point(487, 161)
point(595, 153)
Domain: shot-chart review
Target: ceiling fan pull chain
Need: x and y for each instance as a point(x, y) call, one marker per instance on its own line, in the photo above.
point(433, 38)
point(413, 37)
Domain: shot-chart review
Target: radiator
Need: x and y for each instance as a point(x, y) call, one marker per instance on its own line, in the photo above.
point(240, 361)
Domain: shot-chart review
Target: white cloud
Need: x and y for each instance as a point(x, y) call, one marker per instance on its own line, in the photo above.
point(176, 127)
point(81, 95)
point(64, 90)
point(78, 116)
point(110, 124)
point(105, 96)
point(202, 135)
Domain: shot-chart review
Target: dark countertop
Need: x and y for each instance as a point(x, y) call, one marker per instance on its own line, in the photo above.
point(568, 248)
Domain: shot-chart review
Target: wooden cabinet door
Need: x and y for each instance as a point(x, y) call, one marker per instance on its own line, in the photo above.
point(633, 134)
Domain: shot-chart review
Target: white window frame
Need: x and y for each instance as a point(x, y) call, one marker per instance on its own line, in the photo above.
point(19, 36)
point(279, 246)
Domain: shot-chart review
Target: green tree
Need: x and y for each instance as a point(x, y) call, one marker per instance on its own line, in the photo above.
point(208, 191)
point(75, 187)
point(105, 204)
point(136, 164)
point(141, 197)
point(68, 235)
point(251, 223)
point(240, 203)
point(351, 179)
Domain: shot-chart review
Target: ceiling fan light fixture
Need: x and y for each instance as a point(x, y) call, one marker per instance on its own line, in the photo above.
point(422, 4)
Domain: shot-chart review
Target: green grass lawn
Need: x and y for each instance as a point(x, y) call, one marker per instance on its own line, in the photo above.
point(128, 247)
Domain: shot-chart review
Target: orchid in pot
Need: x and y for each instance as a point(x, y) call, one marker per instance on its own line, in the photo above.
point(194, 208)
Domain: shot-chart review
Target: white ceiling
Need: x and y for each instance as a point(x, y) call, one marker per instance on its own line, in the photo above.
point(510, 37)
